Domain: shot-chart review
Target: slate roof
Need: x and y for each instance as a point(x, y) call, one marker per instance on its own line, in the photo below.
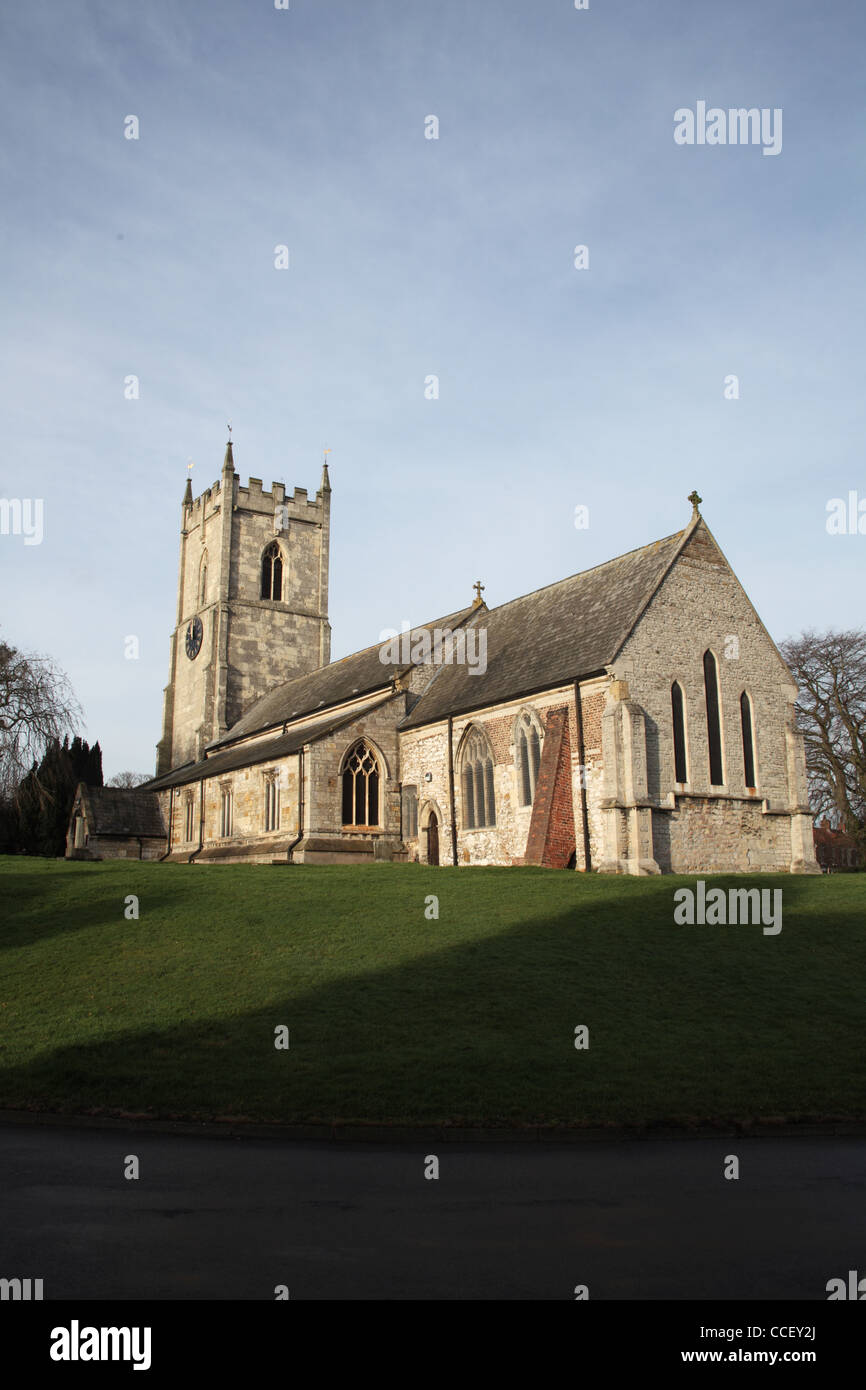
point(566, 631)
point(249, 754)
point(354, 675)
point(122, 811)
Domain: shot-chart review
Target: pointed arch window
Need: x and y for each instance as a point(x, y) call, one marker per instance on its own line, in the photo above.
point(476, 770)
point(272, 573)
point(678, 714)
point(714, 723)
point(202, 581)
point(528, 757)
point(748, 728)
point(361, 786)
point(225, 810)
point(410, 812)
point(272, 800)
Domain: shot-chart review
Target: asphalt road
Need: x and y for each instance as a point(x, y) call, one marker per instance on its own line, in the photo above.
point(231, 1219)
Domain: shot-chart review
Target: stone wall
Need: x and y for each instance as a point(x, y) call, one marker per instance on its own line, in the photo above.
point(249, 645)
point(702, 605)
point(325, 760)
point(425, 750)
point(118, 847)
point(322, 810)
point(249, 840)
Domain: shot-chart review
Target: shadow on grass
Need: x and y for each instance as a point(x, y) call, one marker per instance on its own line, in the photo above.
point(90, 897)
point(685, 1024)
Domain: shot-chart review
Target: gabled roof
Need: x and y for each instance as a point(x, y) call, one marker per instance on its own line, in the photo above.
point(121, 811)
point(353, 676)
point(567, 631)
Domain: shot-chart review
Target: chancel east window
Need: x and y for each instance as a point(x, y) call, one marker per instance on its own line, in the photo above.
point(476, 773)
point(528, 753)
point(678, 713)
point(272, 802)
point(714, 724)
point(272, 573)
point(748, 739)
point(361, 786)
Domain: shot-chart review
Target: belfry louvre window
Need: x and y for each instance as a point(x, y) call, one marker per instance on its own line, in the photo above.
point(272, 802)
point(528, 758)
point(714, 725)
point(748, 739)
point(360, 786)
point(272, 573)
point(189, 819)
point(678, 713)
point(479, 802)
point(225, 812)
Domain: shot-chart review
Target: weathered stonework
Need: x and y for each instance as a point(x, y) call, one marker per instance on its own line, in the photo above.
point(699, 606)
point(249, 644)
point(605, 796)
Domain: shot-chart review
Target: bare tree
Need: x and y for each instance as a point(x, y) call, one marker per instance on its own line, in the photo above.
point(830, 669)
point(37, 704)
point(129, 779)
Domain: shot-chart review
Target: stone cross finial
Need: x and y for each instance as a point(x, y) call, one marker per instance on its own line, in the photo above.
point(694, 499)
point(478, 586)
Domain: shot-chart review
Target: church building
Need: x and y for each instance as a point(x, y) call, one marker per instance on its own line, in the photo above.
point(636, 718)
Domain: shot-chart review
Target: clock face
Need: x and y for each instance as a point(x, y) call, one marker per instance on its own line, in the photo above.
point(194, 634)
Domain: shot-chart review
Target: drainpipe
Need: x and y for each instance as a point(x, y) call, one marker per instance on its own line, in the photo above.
point(451, 790)
point(300, 834)
point(581, 753)
point(168, 837)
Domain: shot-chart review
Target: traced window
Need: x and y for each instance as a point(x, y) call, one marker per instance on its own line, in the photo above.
point(476, 774)
point(225, 812)
point(202, 581)
point(528, 754)
point(272, 801)
point(748, 739)
point(361, 786)
point(272, 573)
point(79, 841)
point(189, 824)
point(410, 812)
point(678, 712)
point(714, 725)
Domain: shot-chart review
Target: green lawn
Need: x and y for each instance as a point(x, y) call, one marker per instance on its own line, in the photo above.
point(394, 1017)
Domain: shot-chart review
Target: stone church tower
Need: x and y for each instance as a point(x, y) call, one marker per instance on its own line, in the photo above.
point(252, 605)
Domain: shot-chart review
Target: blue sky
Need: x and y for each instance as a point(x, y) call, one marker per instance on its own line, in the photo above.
point(409, 257)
